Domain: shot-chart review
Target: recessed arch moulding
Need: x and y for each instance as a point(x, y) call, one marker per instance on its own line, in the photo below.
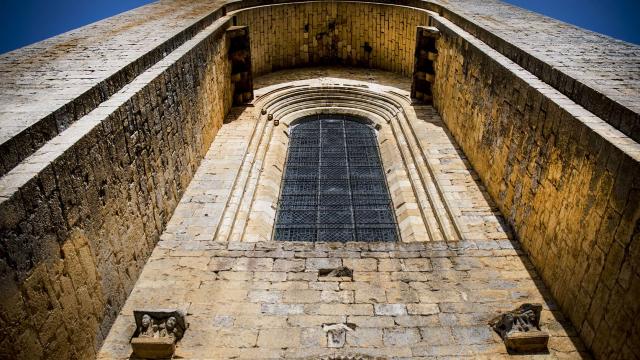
point(421, 210)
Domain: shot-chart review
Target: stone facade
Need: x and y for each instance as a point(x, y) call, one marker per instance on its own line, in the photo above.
point(109, 142)
point(267, 300)
point(78, 79)
point(606, 84)
point(262, 299)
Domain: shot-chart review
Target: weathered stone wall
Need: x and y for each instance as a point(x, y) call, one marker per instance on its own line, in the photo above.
point(332, 33)
point(77, 232)
point(595, 71)
point(80, 216)
point(270, 299)
point(49, 85)
point(567, 182)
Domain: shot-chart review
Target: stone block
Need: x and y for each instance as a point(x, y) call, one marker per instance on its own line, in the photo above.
point(401, 336)
point(361, 264)
point(279, 338)
point(390, 309)
point(301, 296)
point(265, 296)
point(365, 338)
point(423, 309)
point(282, 309)
point(419, 264)
point(344, 296)
point(289, 265)
point(315, 264)
point(372, 321)
point(437, 336)
point(339, 309)
point(370, 295)
point(150, 348)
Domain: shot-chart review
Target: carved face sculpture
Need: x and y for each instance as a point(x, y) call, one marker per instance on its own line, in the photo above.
point(146, 321)
point(171, 323)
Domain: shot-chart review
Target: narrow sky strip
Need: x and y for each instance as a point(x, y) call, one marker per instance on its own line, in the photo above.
point(615, 18)
point(23, 22)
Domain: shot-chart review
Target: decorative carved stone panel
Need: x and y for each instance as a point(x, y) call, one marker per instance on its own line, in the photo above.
point(337, 334)
point(157, 332)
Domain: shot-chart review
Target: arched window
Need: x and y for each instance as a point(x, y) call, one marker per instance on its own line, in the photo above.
point(334, 187)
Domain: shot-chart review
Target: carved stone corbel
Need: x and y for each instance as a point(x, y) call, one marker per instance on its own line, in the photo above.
point(520, 329)
point(157, 332)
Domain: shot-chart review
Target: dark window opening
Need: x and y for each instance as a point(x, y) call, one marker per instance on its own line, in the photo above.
point(334, 187)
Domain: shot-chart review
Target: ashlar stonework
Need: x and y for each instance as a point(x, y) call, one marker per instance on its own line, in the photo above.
point(279, 299)
point(142, 159)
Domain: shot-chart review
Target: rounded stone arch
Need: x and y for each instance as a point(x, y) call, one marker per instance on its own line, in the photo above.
point(352, 41)
point(355, 118)
point(287, 104)
point(374, 120)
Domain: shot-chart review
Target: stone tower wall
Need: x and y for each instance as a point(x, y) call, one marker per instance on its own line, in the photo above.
point(332, 33)
point(567, 181)
point(132, 42)
point(79, 217)
point(90, 207)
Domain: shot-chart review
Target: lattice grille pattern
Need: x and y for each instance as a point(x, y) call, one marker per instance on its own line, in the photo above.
point(334, 188)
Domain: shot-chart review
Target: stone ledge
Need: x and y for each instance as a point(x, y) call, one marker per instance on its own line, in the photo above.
point(52, 121)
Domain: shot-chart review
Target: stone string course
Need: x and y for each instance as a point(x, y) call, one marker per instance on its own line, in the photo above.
point(567, 182)
point(79, 218)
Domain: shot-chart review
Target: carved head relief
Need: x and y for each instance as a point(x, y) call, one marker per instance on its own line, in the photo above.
point(157, 332)
point(160, 323)
point(337, 334)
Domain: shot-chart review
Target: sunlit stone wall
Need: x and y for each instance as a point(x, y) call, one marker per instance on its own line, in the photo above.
point(568, 183)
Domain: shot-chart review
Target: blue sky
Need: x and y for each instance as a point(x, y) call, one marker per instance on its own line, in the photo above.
point(23, 22)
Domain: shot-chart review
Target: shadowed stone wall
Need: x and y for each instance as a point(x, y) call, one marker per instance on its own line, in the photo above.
point(332, 33)
point(79, 218)
point(567, 182)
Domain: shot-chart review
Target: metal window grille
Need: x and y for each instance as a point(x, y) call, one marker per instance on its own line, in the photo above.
point(334, 187)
